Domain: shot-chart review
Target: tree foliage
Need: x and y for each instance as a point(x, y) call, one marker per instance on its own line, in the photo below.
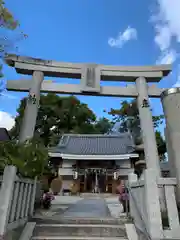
point(128, 118)
point(8, 23)
point(30, 158)
point(103, 126)
point(6, 17)
point(58, 115)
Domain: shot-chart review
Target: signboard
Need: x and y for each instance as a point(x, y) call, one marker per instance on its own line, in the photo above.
point(90, 78)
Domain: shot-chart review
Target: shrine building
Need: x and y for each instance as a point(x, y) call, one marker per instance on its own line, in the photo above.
point(86, 161)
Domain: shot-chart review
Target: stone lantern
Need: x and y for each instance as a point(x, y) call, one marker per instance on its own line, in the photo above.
point(140, 166)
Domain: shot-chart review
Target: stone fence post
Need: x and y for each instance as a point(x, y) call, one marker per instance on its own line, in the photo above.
point(152, 204)
point(33, 197)
point(6, 192)
point(132, 178)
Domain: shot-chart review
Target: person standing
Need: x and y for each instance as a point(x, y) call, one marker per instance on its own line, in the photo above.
point(123, 196)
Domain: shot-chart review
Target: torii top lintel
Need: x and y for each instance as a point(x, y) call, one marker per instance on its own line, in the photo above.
point(27, 65)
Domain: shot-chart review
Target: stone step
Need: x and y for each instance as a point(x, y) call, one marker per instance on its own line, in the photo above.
point(86, 230)
point(67, 220)
point(96, 195)
point(76, 238)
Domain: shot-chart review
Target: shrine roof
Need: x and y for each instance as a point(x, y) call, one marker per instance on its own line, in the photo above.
point(93, 144)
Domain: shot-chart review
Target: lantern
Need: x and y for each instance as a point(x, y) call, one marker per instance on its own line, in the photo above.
point(115, 176)
point(75, 175)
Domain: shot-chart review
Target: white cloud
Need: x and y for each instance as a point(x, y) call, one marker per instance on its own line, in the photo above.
point(167, 29)
point(6, 120)
point(167, 57)
point(177, 84)
point(123, 37)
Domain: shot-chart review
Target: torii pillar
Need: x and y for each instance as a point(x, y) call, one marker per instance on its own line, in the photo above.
point(147, 127)
point(31, 109)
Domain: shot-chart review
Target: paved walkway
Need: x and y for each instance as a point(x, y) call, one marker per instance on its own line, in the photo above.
point(74, 206)
point(94, 208)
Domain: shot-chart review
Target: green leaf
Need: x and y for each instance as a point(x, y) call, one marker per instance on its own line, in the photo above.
point(26, 157)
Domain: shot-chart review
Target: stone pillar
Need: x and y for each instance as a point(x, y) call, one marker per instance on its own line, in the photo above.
point(152, 205)
point(171, 106)
point(6, 197)
point(133, 209)
point(31, 110)
point(149, 139)
point(172, 168)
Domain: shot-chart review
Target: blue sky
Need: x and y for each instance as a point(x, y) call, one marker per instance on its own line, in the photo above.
point(79, 31)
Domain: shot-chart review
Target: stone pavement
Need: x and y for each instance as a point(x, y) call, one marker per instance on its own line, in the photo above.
point(114, 206)
point(66, 200)
point(82, 218)
point(88, 208)
point(77, 206)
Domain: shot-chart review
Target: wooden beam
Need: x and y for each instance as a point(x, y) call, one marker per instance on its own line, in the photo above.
point(111, 91)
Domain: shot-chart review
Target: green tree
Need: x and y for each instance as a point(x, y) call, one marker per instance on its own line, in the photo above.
point(103, 126)
point(58, 115)
point(161, 145)
point(127, 117)
point(8, 23)
point(6, 17)
point(30, 158)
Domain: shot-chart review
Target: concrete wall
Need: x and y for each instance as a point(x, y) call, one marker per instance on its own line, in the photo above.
point(123, 163)
point(66, 168)
point(124, 167)
point(125, 172)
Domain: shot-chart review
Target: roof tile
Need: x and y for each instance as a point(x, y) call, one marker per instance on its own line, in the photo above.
point(91, 144)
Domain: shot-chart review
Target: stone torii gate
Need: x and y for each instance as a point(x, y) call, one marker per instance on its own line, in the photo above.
point(90, 76)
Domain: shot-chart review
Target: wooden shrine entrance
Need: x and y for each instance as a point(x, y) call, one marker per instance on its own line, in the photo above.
point(96, 176)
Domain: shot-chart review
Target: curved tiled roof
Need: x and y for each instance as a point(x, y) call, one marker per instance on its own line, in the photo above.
point(91, 144)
